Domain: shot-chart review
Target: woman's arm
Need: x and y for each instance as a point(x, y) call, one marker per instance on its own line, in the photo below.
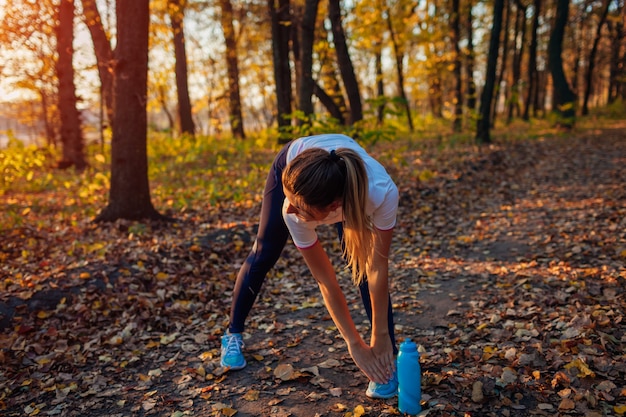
point(324, 273)
point(378, 281)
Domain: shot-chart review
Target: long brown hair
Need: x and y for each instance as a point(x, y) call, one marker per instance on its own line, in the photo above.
point(319, 178)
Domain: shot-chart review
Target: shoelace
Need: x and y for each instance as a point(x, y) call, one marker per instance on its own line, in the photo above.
point(234, 345)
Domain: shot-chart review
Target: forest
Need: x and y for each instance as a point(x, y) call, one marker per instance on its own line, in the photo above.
point(135, 139)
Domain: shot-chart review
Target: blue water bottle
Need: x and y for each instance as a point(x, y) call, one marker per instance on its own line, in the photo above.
point(409, 378)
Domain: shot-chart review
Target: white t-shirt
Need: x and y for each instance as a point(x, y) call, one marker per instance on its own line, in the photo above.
point(382, 204)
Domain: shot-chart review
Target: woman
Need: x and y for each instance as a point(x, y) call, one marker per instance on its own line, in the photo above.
point(327, 179)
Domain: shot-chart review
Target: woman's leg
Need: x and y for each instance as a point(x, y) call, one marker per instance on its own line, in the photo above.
point(270, 241)
point(367, 301)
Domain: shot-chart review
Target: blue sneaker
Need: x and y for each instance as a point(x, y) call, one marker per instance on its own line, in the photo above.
point(232, 355)
point(388, 390)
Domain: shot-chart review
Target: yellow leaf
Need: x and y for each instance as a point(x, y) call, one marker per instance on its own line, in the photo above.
point(43, 315)
point(251, 395)
point(162, 276)
point(482, 326)
point(583, 369)
point(359, 411)
point(43, 361)
point(229, 412)
point(620, 409)
point(25, 211)
point(84, 275)
point(100, 158)
point(152, 344)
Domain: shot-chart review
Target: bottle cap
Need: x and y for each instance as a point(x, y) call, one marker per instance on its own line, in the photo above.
point(408, 346)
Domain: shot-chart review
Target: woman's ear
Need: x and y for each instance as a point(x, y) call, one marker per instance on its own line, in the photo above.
point(334, 205)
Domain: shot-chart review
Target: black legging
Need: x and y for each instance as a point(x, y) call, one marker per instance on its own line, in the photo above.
point(270, 241)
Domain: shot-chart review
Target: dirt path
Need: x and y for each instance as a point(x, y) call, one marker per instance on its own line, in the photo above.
point(508, 269)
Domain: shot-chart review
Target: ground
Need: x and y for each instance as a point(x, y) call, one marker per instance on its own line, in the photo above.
point(507, 269)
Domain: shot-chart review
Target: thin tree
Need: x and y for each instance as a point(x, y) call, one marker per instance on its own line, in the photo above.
point(346, 68)
point(533, 76)
point(564, 98)
point(281, 33)
point(72, 140)
point(399, 59)
point(129, 195)
point(176, 11)
point(232, 64)
point(471, 85)
point(483, 126)
point(104, 54)
point(592, 56)
point(617, 81)
point(503, 61)
point(458, 95)
point(519, 39)
point(306, 38)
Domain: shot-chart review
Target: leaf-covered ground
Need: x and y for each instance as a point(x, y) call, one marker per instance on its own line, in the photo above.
point(508, 269)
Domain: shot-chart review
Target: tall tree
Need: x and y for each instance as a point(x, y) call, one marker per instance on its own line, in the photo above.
point(455, 27)
point(592, 56)
point(232, 64)
point(484, 123)
point(471, 85)
point(346, 68)
point(564, 99)
point(503, 61)
point(533, 76)
point(176, 10)
point(129, 195)
point(617, 81)
point(519, 40)
point(306, 38)
point(281, 30)
point(399, 61)
point(103, 51)
point(72, 139)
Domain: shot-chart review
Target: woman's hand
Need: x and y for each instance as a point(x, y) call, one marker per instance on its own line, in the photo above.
point(365, 358)
point(383, 352)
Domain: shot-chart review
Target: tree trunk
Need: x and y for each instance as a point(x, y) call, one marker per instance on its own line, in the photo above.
point(71, 134)
point(592, 57)
point(399, 70)
point(234, 96)
point(617, 36)
point(380, 87)
point(518, 53)
point(458, 96)
point(177, 13)
point(306, 38)
point(49, 127)
point(484, 124)
point(531, 92)
point(345, 63)
point(129, 196)
point(328, 102)
point(564, 98)
point(503, 62)
point(104, 53)
point(281, 33)
point(471, 85)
